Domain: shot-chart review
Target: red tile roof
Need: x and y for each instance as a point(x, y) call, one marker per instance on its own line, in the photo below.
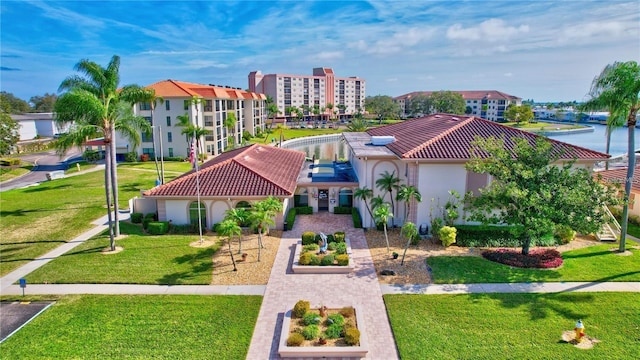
point(174, 88)
point(466, 94)
point(254, 170)
point(618, 176)
point(449, 137)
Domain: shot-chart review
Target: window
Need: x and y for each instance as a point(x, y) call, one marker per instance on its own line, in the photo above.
point(167, 105)
point(170, 152)
point(208, 105)
point(148, 151)
point(186, 105)
point(147, 137)
point(145, 106)
point(198, 212)
point(169, 137)
point(168, 120)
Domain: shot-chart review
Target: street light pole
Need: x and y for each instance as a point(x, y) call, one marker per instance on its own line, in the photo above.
point(161, 155)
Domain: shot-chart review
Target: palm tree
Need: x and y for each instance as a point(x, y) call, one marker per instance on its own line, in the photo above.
point(329, 107)
point(364, 194)
point(91, 101)
point(290, 111)
point(149, 96)
point(602, 100)
point(377, 201)
point(272, 110)
point(316, 114)
point(387, 183)
point(382, 214)
point(262, 215)
point(409, 230)
point(229, 228)
point(357, 125)
point(189, 129)
point(408, 193)
point(230, 124)
point(280, 129)
point(240, 216)
point(621, 84)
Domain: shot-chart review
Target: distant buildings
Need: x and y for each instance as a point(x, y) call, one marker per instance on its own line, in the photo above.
point(37, 125)
point(214, 103)
point(347, 94)
point(487, 104)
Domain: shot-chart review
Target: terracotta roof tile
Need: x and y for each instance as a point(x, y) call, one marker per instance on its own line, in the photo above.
point(618, 176)
point(255, 170)
point(174, 88)
point(466, 94)
point(449, 137)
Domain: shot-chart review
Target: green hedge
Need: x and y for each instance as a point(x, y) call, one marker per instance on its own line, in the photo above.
point(304, 210)
point(147, 219)
point(291, 218)
point(136, 218)
point(494, 236)
point(308, 237)
point(342, 210)
point(10, 161)
point(158, 227)
point(357, 220)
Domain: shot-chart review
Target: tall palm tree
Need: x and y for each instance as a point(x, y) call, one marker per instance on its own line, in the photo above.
point(149, 96)
point(408, 193)
point(622, 83)
point(262, 215)
point(280, 129)
point(329, 107)
point(189, 129)
point(272, 110)
point(230, 124)
point(387, 182)
point(91, 100)
point(603, 100)
point(382, 214)
point(316, 114)
point(365, 194)
point(240, 216)
point(409, 230)
point(229, 228)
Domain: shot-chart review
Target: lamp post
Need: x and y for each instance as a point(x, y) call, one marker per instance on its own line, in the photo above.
point(161, 155)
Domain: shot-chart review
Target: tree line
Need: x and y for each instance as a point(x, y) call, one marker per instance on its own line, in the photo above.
point(11, 104)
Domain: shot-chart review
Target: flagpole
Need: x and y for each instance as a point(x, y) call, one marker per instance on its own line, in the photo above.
point(195, 164)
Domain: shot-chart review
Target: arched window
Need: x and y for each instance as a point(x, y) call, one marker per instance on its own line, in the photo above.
point(193, 214)
point(345, 198)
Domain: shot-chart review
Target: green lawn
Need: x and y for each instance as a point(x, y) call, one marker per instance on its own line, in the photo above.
point(514, 326)
point(170, 167)
point(162, 260)
point(37, 219)
point(594, 263)
point(7, 174)
point(139, 327)
point(84, 165)
point(543, 126)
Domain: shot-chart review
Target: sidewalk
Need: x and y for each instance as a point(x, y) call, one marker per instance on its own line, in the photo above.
point(550, 287)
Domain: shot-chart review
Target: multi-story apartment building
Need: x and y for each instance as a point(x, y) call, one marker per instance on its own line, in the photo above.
point(487, 104)
point(346, 94)
point(206, 106)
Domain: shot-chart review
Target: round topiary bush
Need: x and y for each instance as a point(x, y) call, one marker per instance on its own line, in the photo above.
point(308, 237)
point(301, 308)
point(311, 319)
point(352, 336)
point(311, 332)
point(336, 319)
point(310, 247)
point(295, 339)
point(339, 236)
point(342, 259)
point(341, 248)
point(333, 331)
point(347, 311)
point(315, 260)
point(564, 233)
point(305, 258)
point(327, 260)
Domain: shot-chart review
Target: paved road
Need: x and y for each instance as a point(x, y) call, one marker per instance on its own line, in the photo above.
point(45, 162)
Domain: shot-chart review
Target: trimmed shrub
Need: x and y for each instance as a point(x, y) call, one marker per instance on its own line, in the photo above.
point(495, 236)
point(300, 308)
point(447, 235)
point(348, 311)
point(333, 331)
point(357, 220)
point(304, 210)
point(10, 161)
point(309, 237)
point(342, 210)
point(436, 225)
point(305, 258)
point(331, 246)
point(415, 240)
point(311, 332)
point(330, 238)
point(310, 247)
point(136, 218)
point(327, 260)
point(341, 248)
point(147, 219)
point(311, 318)
point(315, 260)
point(564, 234)
point(158, 227)
point(539, 258)
point(291, 218)
point(184, 229)
point(335, 319)
point(295, 339)
point(131, 156)
point(352, 336)
point(342, 259)
point(339, 236)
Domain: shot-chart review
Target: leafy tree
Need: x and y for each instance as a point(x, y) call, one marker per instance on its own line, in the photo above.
point(468, 110)
point(382, 214)
point(240, 216)
point(316, 114)
point(447, 102)
point(43, 103)
point(9, 133)
point(620, 86)
point(93, 103)
point(280, 129)
point(409, 230)
point(383, 106)
point(365, 194)
point(12, 105)
point(357, 124)
point(532, 193)
point(230, 124)
point(229, 228)
point(420, 105)
point(387, 182)
point(262, 215)
point(377, 201)
point(272, 110)
point(407, 193)
point(518, 114)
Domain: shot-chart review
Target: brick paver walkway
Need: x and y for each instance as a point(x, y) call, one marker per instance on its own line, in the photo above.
point(359, 288)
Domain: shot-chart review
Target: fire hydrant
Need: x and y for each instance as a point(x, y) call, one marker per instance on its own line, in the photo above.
point(579, 329)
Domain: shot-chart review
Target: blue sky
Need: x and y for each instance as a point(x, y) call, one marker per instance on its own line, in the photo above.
point(548, 51)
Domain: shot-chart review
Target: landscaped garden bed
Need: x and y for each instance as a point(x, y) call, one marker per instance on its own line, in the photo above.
point(313, 258)
point(323, 332)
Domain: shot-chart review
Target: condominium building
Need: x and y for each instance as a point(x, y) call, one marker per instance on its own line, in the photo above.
point(487, 104)
point(205, 106)
point(345, 94)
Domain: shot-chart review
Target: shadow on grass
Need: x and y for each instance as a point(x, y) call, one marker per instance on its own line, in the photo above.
point(566, 256)
point(541, 306)
point(46, 188)
point(199, 266)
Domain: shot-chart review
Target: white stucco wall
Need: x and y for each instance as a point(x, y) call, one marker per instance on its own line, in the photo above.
point(177, 211)
point(434, 182)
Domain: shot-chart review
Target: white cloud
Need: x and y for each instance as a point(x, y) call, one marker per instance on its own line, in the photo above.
point(328, 55)
point(491, 30)
point(508, 74)
point(200, 64)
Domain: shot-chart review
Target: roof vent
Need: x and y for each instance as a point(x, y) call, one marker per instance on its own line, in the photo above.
point(455, 118)
point(382, 140)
